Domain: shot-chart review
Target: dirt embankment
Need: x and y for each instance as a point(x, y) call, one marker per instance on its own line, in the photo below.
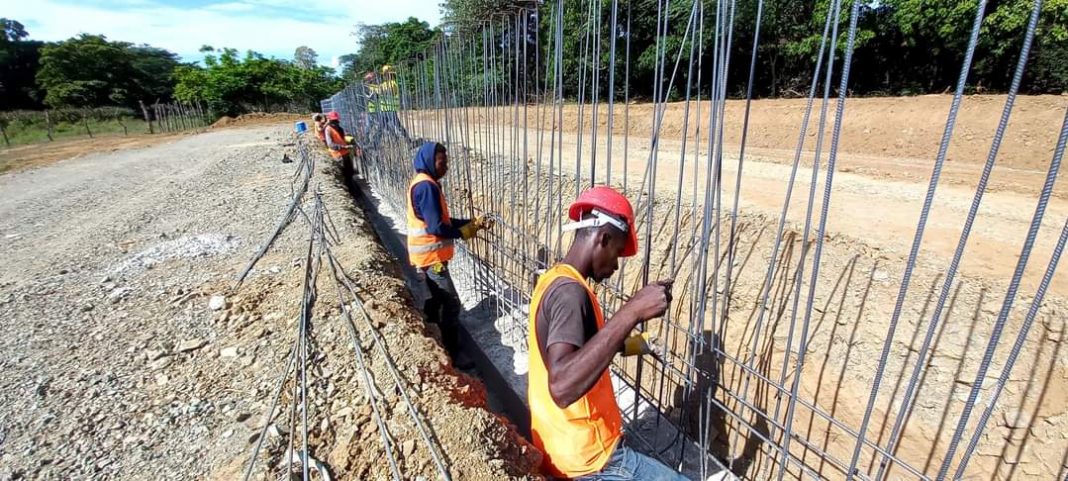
point(885, 137)
point(258, 118)
point(119, 357)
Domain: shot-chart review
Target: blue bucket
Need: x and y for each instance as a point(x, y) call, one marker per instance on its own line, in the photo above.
point(301, 127)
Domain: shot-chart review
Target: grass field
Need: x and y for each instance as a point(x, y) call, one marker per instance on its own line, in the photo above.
point(23, 133)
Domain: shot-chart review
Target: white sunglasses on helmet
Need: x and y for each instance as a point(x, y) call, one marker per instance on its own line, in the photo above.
point(599, 219)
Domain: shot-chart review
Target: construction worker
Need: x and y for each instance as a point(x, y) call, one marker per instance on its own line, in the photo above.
point(339, 144)
point(431, 232)
point(318, 124)
point(389, 103)
point(374, 124)
point(574, 418)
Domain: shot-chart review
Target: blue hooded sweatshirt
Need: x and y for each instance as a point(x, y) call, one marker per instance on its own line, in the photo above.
point(426, 197)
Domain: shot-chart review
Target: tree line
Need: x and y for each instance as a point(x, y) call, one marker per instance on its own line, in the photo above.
point(903, 47)
point(91, 71)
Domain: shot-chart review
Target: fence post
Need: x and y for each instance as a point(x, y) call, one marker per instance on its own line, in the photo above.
point(185, 121)
point(3, 132)
point(200, 114)
point(159, 115)
point(144, 111)
point(85, 122)
point(48, 126)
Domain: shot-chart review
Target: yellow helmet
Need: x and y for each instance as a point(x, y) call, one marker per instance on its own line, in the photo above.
point(387, 69)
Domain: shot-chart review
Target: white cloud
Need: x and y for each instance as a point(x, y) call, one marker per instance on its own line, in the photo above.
point(272, 27)
point(231, 7)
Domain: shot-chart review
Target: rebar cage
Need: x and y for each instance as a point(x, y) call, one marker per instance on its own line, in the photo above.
point(773, 357)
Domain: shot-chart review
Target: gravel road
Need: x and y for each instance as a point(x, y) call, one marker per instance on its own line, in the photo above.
point(95, 249)
point(116, 363)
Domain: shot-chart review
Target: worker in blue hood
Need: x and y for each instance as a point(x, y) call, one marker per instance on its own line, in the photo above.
point(431, 234)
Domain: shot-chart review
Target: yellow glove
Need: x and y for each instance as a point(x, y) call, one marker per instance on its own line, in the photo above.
point(639, 344)
point(438, 268)
point(469, 230)
point(485, 222)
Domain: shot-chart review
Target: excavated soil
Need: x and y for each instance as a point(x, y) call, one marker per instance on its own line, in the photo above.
point(257, 118)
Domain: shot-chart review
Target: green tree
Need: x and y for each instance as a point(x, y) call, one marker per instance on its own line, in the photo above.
point(90, 71)
point(19, 59)
point(391, 43)
point(233, 85)
point(465, 16)
point(902, 46)
point(12, 30)
point(347, 63)
point(305, 57)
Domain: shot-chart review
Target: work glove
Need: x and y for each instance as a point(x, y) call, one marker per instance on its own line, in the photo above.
point(639, 344)
point(469, 230)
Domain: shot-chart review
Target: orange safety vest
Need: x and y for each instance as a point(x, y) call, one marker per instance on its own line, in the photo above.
point(336, 138)
point(579, 439)
point(426, 249)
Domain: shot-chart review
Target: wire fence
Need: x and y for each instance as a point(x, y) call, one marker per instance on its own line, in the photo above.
point(779, 357)
point(19, 127)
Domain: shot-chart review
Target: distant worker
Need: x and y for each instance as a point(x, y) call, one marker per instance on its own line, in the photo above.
point(374, 123)
point(389, 104)
point(318, 124)
point(431, 232)
point(339, 144)
point(574, 418)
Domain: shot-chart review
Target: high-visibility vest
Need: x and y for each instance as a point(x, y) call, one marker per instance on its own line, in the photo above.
point(387, 96)
point(578, 439)
point(373, 96)
point(426, 249)
point(336, 138)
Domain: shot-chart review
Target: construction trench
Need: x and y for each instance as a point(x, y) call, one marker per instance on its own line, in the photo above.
point(811, 336)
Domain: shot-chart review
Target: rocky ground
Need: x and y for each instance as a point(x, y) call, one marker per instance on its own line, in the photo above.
point(128, 355)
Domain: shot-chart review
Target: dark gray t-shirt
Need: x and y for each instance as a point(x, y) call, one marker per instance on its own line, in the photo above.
point(565, 315)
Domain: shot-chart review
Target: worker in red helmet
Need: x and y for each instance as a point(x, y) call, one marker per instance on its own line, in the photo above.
point(574, 418)
point(340, 145)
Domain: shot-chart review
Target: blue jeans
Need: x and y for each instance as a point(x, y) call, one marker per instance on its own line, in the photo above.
point(627, 464)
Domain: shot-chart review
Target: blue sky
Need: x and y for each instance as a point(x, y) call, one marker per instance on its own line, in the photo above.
point(272, 27)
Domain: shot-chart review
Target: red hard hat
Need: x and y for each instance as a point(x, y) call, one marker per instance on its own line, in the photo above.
point(333, 116)
point(607, 200)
